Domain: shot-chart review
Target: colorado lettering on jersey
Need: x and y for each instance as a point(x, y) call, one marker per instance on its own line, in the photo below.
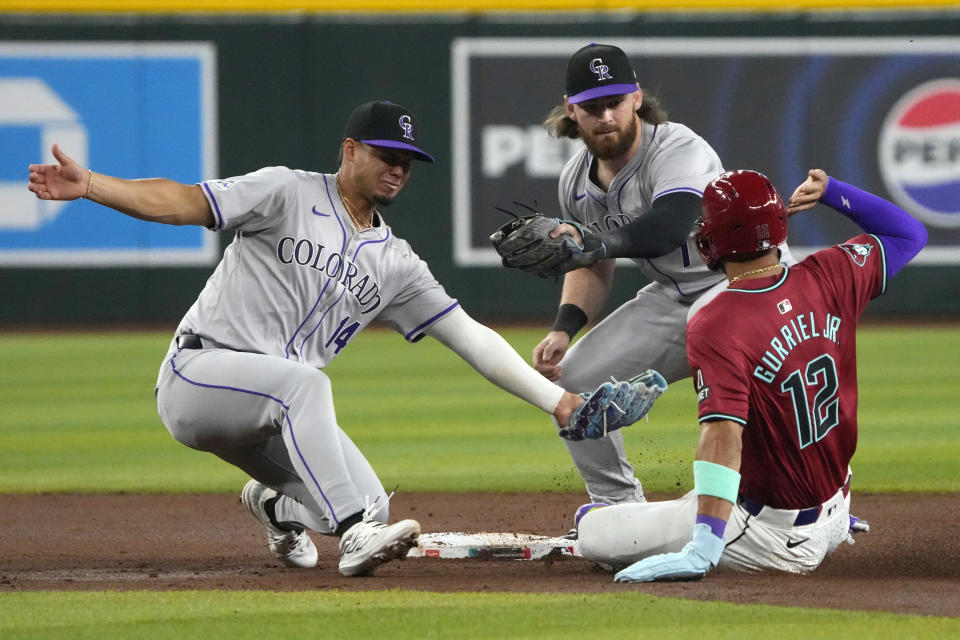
point(310, 254)
point(795, 331)
point(610, 221)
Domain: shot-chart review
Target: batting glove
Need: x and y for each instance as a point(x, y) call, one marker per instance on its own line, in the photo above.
point(691, 563)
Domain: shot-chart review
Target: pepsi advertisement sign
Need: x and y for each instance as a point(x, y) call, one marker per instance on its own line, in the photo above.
point(919, 154)
point(880, 113)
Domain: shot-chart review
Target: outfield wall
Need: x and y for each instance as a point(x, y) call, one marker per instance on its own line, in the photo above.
point(776, 91)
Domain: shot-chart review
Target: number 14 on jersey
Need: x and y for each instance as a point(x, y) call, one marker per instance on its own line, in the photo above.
point(342, 334)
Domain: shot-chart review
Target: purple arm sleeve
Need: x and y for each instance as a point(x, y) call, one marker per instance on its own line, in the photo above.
point(902, 235)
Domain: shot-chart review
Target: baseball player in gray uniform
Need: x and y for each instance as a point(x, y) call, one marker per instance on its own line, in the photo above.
point(635, 187)
point(312, 263)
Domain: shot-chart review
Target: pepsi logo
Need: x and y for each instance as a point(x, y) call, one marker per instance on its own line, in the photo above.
point(919, 152)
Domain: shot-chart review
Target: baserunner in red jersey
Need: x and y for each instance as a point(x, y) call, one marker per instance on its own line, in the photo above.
point(773, 358)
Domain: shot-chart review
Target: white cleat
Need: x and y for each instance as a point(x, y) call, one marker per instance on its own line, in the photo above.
point(295, 548)
point(369, 543)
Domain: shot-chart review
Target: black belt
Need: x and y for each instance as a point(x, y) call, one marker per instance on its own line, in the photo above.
point(189, 341)
point(804, 516)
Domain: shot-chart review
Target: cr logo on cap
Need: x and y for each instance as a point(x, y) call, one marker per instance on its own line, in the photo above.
point(407, 126)
point(602, 70)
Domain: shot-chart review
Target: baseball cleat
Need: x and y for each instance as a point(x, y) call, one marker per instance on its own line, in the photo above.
point(582, 510)
point(858, 525)
point(369, 543)
point(295, 547)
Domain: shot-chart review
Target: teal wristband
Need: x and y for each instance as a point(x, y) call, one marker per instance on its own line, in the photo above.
point(710, 479)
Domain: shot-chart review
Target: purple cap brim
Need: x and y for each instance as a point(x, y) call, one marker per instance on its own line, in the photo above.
point(606, 90)
point(419, 154)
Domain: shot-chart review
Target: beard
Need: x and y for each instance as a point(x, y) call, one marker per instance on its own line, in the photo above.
point(604, 146)
point(382, 201)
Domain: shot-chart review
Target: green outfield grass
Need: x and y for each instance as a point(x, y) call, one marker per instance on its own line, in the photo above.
point(210, 615)
point(78, 415)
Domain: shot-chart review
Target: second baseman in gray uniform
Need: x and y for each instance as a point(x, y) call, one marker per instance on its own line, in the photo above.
point(637, 182)
point(311, 264)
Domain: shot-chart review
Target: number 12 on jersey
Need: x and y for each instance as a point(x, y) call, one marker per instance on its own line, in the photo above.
point(342, 334)
point(820, 373)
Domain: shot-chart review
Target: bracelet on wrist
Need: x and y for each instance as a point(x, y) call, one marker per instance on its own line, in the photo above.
point(89, 184)
point(570, 319)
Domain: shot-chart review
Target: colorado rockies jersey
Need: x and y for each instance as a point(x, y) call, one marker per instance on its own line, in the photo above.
point(298, 281)
point(670, 158)
point(778, 355)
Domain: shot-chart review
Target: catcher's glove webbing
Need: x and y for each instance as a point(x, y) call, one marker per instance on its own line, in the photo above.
point(614, 405)
point(525, 243)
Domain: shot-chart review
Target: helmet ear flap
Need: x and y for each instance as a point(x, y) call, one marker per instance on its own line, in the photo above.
point(703, 247)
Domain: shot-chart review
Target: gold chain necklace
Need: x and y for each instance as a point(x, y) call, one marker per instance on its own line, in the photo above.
point(349, 207)
point(753, 272)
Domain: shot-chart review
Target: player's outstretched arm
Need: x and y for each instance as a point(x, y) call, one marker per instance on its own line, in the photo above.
point(610, 407)
point(716, 481)
point(493, 358)
point(659, 232)
point(903, 236)
point(550, 247)
point(154, 199)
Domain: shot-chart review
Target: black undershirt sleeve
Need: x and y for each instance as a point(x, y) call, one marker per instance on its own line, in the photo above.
point(659, 232)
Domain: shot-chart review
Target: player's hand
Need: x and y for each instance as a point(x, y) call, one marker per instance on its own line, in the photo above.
point(66, 180)
point(565, 408)
point(690, 563)
point(809, 193)
point(570, 230)
point(547, 354)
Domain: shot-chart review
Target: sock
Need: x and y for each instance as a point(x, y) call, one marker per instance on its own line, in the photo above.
point(270, 507)
point(348, 522)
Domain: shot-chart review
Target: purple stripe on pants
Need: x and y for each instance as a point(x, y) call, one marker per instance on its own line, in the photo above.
point(286, 415)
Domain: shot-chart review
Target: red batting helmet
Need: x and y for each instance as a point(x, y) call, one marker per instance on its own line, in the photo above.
point(742, 215)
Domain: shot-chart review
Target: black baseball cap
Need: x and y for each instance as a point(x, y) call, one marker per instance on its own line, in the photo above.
point(385, 124)
point(599, 70)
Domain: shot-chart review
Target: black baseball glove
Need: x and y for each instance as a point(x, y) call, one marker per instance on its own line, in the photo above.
point(525, 243)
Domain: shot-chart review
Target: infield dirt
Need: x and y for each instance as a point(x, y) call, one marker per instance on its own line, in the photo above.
point(908, 563)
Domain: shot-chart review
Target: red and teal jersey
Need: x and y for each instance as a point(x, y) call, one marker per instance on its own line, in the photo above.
point(778, 355)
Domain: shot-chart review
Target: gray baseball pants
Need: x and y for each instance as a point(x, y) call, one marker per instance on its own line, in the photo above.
point(274, 419)
point(647, 332)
